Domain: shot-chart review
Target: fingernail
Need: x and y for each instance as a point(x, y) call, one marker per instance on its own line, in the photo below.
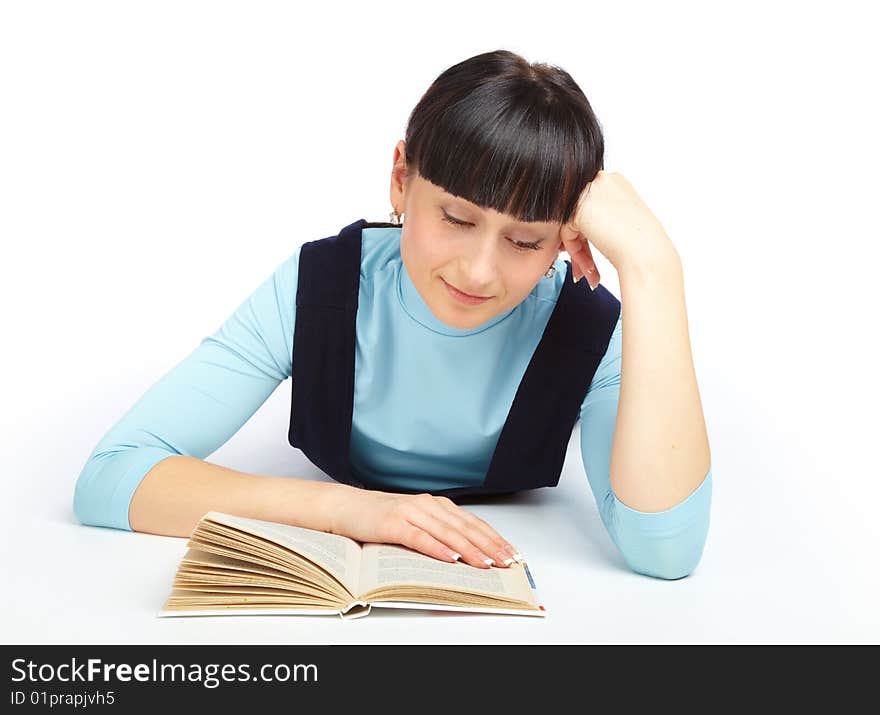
point(488, 562)
point(456, 556)
point(507, 562)
point(518, 557)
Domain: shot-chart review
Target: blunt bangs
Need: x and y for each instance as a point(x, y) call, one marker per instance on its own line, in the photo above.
point(507, 135)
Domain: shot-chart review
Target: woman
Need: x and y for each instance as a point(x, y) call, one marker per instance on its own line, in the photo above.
point(449, 354)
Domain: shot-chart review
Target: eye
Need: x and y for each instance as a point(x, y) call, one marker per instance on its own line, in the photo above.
point(520, 246)
point(454, 221)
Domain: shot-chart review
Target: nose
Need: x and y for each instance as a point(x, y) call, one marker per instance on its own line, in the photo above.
point(479, 268)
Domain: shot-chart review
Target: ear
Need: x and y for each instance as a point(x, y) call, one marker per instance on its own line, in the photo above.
point(398, 176)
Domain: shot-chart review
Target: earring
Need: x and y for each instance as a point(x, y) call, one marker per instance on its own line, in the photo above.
point(396, 218)
point(551, 271)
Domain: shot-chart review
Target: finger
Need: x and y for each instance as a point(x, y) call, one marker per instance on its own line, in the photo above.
point(499, 543)
point(452, 537)
point(586, 263)
point(412, 536)
point(576, 246)
point(581, 258)
point(577, 264)
point(483, 536)
point(568, 233)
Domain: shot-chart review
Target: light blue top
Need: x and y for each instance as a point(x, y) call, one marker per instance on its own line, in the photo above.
point(429, 403)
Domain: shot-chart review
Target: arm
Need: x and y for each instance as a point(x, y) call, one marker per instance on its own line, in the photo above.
point(147, 473)
point(661, 449)
point(180, 489)
point(662, 543)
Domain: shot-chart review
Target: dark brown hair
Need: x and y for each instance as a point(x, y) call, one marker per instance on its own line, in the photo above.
point(506, 134)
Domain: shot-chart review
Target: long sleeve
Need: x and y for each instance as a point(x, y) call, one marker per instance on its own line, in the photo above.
point(199, 404)
point(666, 544)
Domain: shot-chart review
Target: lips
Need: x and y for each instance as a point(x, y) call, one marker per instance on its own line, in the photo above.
point(462, 297)
point(469, 295)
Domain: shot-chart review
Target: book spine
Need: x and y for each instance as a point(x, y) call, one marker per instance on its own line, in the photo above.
point(356, 609)
point(532, 584)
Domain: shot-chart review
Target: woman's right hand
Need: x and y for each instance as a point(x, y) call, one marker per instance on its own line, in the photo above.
point(432, 525)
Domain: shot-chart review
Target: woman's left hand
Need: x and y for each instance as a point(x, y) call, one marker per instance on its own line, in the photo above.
point(611, 216)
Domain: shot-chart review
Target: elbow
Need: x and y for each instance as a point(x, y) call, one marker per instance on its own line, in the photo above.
point(83, 498)
point(106, 485)
point(668, 544)
point(669, 561)
point(92, 493)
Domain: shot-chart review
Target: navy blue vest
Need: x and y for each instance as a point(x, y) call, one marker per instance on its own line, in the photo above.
point(531, 447)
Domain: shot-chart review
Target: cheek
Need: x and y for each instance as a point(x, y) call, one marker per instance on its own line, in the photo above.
point(520, 280)
point(429, 250)
point(434, 255)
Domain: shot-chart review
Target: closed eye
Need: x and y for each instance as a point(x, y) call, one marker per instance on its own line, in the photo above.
point(519, 245)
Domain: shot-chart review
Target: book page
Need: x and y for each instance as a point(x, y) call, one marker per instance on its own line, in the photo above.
point(384, 565)
point(338, 554)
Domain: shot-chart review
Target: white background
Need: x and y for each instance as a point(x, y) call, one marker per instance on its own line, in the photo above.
point(159, 159)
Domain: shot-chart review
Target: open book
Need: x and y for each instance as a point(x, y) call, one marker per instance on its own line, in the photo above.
point(236, 566)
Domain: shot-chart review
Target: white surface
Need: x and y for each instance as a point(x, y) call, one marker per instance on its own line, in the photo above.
point(773, 570)
point(158, 164)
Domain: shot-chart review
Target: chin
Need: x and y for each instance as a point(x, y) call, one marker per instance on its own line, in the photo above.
point(466, 324)
point(454, 319)
point(473, 319)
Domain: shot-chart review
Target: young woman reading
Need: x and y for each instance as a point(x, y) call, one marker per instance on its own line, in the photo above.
point(449, 354)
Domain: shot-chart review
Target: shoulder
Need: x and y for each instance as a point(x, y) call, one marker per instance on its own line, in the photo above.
point(380, 250)
point(380, 247)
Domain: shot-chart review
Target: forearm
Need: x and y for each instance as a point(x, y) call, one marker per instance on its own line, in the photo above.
point(665, 544)
point(179, 490)
point(660, 453)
